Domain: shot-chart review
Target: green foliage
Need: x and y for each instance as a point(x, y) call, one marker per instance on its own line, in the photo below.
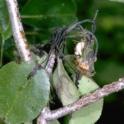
point(28, 122)
point(107, 71)
point(55, 12)
point(53, 122)
point(69, 64)
point(22, 99)
point(4, 21)
point(65, 88)
point(62, 11)
point(91, 113)
point(68, 93)
point(118, 0)
point(87, 85)
point(5, 31)
point(88, 115)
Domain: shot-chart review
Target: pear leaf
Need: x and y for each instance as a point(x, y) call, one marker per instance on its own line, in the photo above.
point(5, 29)
point(118, 1)
point(49, 15)
point(21, 100)
point(53, 122)
point(91, 113)
point(65, 88)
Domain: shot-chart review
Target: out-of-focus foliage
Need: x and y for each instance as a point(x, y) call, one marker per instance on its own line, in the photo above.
point(5, 31)
point(69, 93)
point(91, 113)
point(64, 86)
point(22, 99)
point(4, 21)
point(53, 122)
point(117, 0)
point(48, 15)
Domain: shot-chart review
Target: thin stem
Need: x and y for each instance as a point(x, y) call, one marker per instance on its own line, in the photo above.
point(17, 29)
point(84, 101)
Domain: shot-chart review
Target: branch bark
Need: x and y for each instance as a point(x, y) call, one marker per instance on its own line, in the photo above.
point(17, 29)
point(82, 102)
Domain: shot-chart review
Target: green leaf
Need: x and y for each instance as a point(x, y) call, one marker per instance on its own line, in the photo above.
point(91, 113)
point(103, 74)
point(87, 115)
point(40, 59)
point(1, 121)
point(21, 100)
point(69, 63)
point(65, 88)
point(28, 122)
point(5, 29)
point(87, 85)
point(47, 15)
point(118, 1)
point(52, 11)
point(54, 122)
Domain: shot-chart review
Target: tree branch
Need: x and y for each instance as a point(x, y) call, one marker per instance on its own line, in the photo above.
point(17, 29)
point(83, 101)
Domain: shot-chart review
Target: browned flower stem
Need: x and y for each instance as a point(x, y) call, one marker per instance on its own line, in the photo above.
point(82, 102)
point(17, 29)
